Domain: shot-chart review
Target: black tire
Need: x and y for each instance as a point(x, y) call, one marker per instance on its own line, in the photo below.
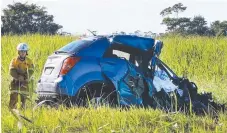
point(95, 94)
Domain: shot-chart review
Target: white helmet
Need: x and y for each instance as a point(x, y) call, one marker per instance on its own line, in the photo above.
point(22, 47)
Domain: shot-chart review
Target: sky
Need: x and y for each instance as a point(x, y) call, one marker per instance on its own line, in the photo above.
point(108, 16)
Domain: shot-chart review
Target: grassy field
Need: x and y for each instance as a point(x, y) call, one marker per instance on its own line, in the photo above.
point(202, 59)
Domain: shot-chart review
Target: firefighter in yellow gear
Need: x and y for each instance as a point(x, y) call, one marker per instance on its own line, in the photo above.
point(21, 69)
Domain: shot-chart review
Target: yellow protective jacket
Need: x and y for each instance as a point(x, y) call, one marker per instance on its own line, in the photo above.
point(21, 68)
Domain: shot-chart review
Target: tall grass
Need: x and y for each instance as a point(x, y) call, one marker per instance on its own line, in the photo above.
point(202, 59)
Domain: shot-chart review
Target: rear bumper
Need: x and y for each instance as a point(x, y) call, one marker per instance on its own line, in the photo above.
point(50, 92)
point(52, 99)
point(48, 88)
point(62, 85)
point(47, 91)
point(54, 88)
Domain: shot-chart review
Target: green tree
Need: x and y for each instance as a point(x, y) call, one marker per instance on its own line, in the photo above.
point(186, 26)
point(179, 25)
point(198, 26)
point(223, 25)
point(166, 11)
point(25, 18)
point(219, 28)
point(178, 8)
point(175, 25)
point(170, 23)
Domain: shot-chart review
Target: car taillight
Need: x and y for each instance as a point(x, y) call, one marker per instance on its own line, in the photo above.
point(68, 64)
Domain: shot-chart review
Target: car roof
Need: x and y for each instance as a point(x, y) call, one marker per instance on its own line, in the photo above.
point(142, 43)
point(100, 44)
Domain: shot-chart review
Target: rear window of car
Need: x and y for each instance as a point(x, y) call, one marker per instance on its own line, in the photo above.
point(74, 46)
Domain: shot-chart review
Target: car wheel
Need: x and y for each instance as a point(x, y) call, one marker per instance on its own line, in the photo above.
point(96, 94)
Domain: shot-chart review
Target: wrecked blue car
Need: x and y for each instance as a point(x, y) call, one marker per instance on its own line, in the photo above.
point(119, 70)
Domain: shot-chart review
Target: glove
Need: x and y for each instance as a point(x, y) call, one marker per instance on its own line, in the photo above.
point(21, 71)
point(21, 78)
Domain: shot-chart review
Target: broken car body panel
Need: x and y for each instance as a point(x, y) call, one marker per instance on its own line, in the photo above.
point(98, 62)
point(119, 72)
point(141, 43)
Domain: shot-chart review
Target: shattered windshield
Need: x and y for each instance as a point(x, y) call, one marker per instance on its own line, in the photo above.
point(163, 81)
point(163, 77)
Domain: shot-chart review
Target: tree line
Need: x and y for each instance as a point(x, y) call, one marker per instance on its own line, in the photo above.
point(22, 18)
point(26, 18)
point(190, 26)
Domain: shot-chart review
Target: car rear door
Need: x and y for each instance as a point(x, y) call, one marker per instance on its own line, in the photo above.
point(126, 79)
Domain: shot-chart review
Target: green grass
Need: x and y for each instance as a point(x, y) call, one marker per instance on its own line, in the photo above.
point(202, 59)
point(113, 120)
